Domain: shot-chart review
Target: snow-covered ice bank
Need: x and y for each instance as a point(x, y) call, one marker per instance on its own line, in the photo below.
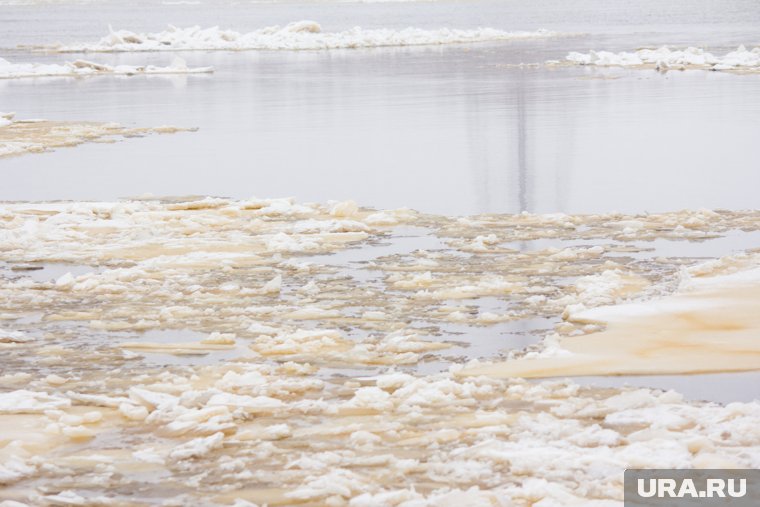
point(294, 36)
point(19, 137)
point(709, 325)
point(665, 58)
point(79, 68)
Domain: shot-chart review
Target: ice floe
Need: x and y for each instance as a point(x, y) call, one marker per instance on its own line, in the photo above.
point(6, 119)
point(18, 137)
point(14, 337)
point(81, 68)
point(664, 58)
point(299, 35)
point(25, 402)
point(709, 325)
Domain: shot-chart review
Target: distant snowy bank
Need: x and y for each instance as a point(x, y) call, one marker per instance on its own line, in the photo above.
point(300, 35)
point(77, 68)
point(665, 58)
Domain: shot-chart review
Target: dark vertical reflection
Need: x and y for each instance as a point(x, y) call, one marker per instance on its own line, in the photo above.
point(564, 159)
point(477, 143)
point(522, 165)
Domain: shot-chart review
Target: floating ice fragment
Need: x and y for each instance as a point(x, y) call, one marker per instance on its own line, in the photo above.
point(277, 431)
point(14, 337)
point(92, 417)
point(37, 136)
point(13, 469)
point(133, 412)
point(30, 402)
point(337, 482)
point(81, 68)
point(77, 432)
point(153, 399)
point(344, 209)
point(220, 339)
point(381, 219)
point(97, 399)
point(370, 397)
point(248, 403)
point(197, 448)
point(6, 118)
point(664, 59)
point(55, 380)
point(149, 455)
point(258, 328)
point(65, 281)
point(67, 498)
point(273, 286)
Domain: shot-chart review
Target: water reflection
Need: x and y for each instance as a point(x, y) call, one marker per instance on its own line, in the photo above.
point(446, 130)
point(522, 166)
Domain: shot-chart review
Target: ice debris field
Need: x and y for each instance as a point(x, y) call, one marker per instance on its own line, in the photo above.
point(212, 351)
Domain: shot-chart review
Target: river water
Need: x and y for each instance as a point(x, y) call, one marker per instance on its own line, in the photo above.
point(447, 129)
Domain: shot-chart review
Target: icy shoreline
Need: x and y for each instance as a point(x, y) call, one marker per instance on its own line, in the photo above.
point(664, 59)
point(82, 68)
point(300, 35)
